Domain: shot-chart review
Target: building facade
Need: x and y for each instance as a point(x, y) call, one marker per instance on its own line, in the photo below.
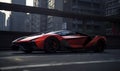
point(90, 7)
point(36, 22)
point(55, 23)
point(2, 21)
point(17, 19)
point(113, 9)
point(45, 23)
point(27, 22)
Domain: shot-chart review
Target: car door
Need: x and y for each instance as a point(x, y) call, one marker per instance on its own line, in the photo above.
point(75, 41)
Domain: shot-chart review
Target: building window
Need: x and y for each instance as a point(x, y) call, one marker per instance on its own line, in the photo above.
point(51, 4)
point(96, 27)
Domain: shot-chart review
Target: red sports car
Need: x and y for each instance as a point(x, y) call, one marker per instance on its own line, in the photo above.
point(59, 40)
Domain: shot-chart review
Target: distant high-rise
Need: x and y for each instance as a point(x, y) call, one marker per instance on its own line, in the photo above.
point(2, 21)
point(17, 19)
point(113, 9)
point(43, 23)
point(36, 22)
point(43, 18)
point(29, 22)
point(55, 23)
point(90, 7)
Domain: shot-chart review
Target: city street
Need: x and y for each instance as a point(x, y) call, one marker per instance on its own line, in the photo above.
point(53, 25)
point(60, 61)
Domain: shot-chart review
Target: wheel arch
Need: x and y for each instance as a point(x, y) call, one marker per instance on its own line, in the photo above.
point(103, 41)
point(59, 38)
point(55, 40)
point(40, 41)
point(95, 40)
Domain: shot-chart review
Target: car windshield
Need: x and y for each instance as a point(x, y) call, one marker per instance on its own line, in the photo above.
point(62, 32)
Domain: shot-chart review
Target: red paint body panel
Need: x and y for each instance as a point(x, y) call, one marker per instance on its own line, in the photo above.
point(40, 41)
point(75, 41)
point(95, 40)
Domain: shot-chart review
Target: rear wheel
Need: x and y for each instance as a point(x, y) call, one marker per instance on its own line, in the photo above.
point(99, 46)
point(51, 45)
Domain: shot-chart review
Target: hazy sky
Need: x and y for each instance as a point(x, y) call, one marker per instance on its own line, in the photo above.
point(29, 2)
point(7, 1)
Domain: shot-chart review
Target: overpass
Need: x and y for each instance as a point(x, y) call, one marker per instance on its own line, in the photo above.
point(53, 12)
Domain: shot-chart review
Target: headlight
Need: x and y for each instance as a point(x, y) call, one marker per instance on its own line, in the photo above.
point(18, 39)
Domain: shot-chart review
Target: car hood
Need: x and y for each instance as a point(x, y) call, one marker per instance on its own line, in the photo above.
point(28, 38)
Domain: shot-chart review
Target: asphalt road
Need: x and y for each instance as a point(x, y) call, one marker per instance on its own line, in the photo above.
point(60, 61)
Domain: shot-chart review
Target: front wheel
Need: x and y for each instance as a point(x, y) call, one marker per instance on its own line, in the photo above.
point(51, 45)
point(99, 46)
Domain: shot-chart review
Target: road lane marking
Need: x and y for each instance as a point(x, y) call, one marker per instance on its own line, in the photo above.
point(57, 64)
point(10, 57)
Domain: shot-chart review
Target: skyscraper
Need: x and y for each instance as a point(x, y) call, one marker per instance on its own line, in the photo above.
point(113, 9)
point(17, 19)
point(43, 23)
point(2, 21)
point(55, 23)
point(36, 22)
point(90, 7)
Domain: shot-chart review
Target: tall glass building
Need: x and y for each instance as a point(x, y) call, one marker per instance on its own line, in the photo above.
point(37, 22)
point(2, 21)
point(17, 19)
point(90, 7)
point(113, 9)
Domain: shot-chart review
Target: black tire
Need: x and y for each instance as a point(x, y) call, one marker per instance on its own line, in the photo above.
point(99, 46)
point(51, 45)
